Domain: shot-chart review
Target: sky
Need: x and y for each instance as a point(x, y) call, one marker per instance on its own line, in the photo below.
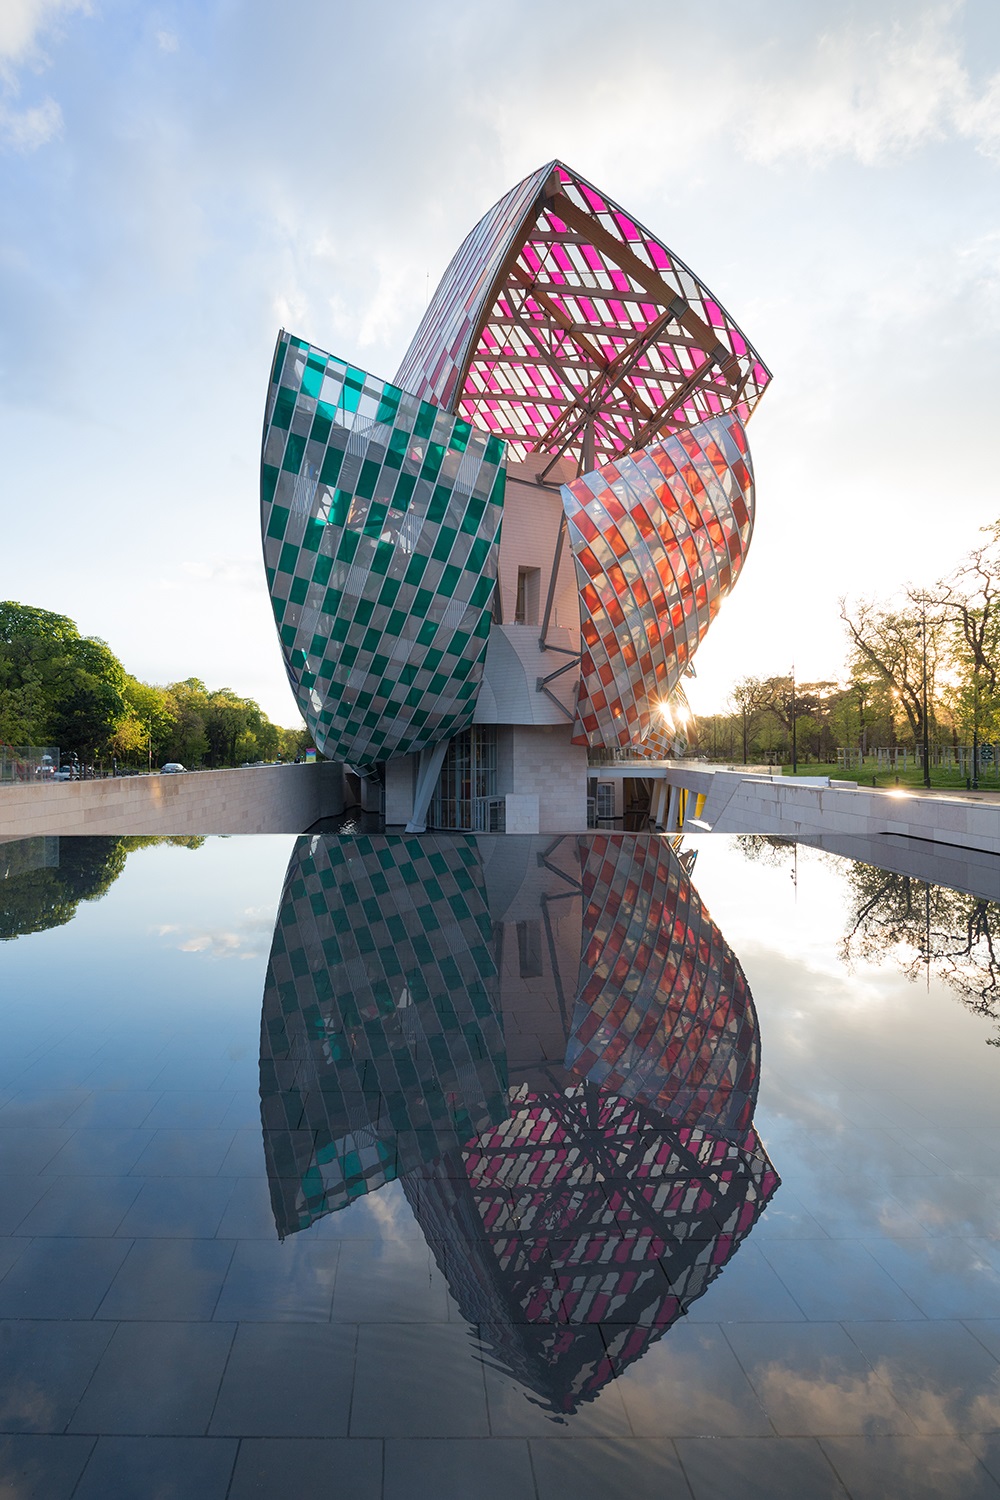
point(179, 180)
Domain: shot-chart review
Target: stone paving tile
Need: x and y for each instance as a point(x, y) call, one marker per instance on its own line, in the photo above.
point(271, 1282)
point(45, 1367)
point(388, 1282)
point(127, 1108)
point(19, 1192)
point(748, 1287)
point(42, 1467)
point(158, 1468)
point(178, 1207)
point(189, 1109)
point(29, 1148)
point(310, 1469)
point(418, 1380)
point(81, 1206)
point(987, 1331)
point(944, 1278)
point(834, 1279)
point(596, 1468)
point(177, 1152)
point(912, 1468)
point(61, 1278)
point(762, 1468)
point(156, 1378)
point(691, 1383)
point(169, 1279)
point(813, 1379)
point(287, 1380)
point(457, 1468)
point(938, 1372)
point(106, 1151)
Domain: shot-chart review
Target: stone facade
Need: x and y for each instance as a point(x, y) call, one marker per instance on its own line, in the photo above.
point(254, 799)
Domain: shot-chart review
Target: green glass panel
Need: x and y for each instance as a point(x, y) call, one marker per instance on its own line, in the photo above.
point(365, 486)
point(313, 535)
point(320, 430)
point(299, 589)
point(339, 507)
point(332, 462)
point(443, 545)
point(449, 580)
point(294, 451)
point(424, 425)
point(284, 406)
point(494, 450)
point(268, 480)
point(388, 404)
point(440, 500)
point(433, 460)
point(403, 492)
point(278, 522)
point(321, 570)
point(286, 562)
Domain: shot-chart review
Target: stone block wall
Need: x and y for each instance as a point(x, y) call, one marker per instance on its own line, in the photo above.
point(254, 799)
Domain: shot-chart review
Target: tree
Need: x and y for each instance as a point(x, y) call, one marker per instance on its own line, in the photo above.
point(890, 644)
point(750, 697)
point(56, 686)
point(927, 929)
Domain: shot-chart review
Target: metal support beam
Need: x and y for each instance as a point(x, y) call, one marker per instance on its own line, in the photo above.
point(553, 577)
point(428, 770)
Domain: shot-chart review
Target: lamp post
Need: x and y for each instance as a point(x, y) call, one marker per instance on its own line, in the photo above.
point(923, 690)
point(975, 726)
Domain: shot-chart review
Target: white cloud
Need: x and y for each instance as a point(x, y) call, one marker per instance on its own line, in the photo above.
point(22, 22)
point(872, 92)
point(167, 41)
point(27, 129)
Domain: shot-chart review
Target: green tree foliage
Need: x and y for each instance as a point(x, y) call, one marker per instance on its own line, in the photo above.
point(926, 929)
point(56, 686)
point(44, 896)
point(60, 688)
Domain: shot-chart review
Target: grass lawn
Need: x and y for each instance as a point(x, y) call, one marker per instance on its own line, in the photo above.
point(947, 778)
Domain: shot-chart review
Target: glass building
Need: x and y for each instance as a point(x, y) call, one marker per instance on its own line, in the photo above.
point(499, 566)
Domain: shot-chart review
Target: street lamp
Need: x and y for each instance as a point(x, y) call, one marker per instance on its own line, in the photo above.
point(923, 689)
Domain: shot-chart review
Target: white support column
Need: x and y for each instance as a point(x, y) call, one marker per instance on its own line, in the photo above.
point(673, 808)
point(658, 802)
point(428, 770)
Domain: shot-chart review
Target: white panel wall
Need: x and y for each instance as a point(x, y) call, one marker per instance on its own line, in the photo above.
point(544, 763)
point(531, 516)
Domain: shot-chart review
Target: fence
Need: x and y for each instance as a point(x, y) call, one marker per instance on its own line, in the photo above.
point(21, 763)
point(901, 758)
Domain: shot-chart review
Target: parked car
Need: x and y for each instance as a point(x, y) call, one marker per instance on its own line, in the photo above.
point(64, 773)
point(170, 767)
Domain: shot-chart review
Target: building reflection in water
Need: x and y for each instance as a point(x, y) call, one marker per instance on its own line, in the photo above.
point(551, 1045)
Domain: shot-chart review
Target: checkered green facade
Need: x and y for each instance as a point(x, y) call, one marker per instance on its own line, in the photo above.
point(381, 519)
point(382, 1045)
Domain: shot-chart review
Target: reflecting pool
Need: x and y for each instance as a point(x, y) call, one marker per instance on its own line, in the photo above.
point(369, 1165)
